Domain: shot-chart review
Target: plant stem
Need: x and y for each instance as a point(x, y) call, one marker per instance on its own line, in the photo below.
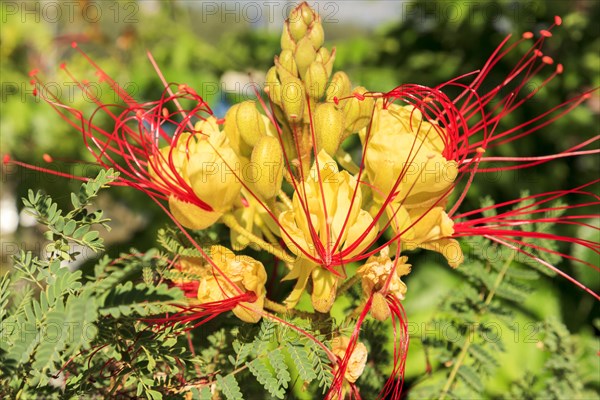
point(465, 347)
point(231, 222)
point(276, 307)
point(285, 199)
point(348, 283)
point(281, 309)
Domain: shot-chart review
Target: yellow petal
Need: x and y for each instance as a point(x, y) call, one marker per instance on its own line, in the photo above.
point(449, 248)
point(301, 271)
point(360, 227)
point(192, 216)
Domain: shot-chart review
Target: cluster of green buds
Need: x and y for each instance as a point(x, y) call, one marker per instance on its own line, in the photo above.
point(307, 96)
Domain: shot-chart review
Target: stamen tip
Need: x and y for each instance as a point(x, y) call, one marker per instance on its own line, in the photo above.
point(547, 60)
point(480, 150)
point(546, 33)
point(33, 72)
point(47, 158)
point(557, 20)
point(63, 65)
point(527, 35)
point(6, 159)
point(74, 45)
point(220, 121)
point(559, 69)
point(538, 53)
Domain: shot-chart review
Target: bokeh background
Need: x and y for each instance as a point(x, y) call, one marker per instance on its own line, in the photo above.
point(214, 46)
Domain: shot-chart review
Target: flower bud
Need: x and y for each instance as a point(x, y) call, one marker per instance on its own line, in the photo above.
point(358, 111)
point(292, 98)
point(324, 289)
point(286, 60)
point(272, 87)
point(233, 134)
point(315, 80)
point(308, 15)
point(296, 24)
point(192, 216)
point(267, 158)
point(329, 126)
point(305, 54)
point(316, 35)
point(249, 122)
point(339, 87)
point(326, 58)
point(287, 41)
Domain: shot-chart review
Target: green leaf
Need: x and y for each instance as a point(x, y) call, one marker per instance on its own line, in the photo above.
point(470, 377)
point(264, 375)
point(303, 364)
point(229, 387)
point(279, 365)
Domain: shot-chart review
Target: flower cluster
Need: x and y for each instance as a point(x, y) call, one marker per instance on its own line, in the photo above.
point(275, 174)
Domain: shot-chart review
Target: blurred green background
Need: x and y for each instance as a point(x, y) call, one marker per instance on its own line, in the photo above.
point(212, 46)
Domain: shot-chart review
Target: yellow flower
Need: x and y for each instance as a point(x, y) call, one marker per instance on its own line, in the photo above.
point(206, 164)
point(377, 270)
point(433, 230)
point(244, 272)
point(358, 358)
point(213, 168)
point(321, 206)
point(376, 273)
point(254, 218)
point(402, 146)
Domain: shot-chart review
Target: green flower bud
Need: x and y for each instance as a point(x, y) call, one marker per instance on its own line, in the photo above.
point(305, 54)
point(358, 111)
point(339, 87)
point(286, 60)
point(249, 122)
point(273, 86)
point(267, 160)
point(315, 80)
point(293, 98)
point(329, 126)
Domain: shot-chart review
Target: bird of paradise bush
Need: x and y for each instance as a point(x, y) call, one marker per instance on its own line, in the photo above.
point(273, 171)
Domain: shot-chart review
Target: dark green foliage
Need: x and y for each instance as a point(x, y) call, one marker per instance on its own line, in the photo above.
point(570, 370)
point(469, 321)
